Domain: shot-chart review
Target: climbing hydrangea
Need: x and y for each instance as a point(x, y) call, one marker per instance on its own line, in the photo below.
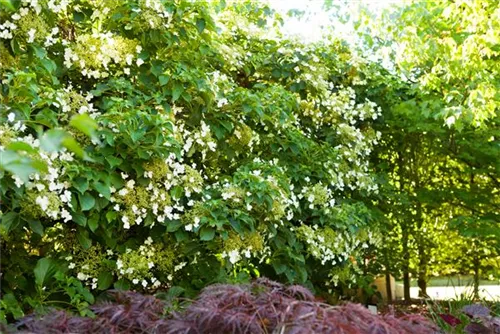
point(168, 140)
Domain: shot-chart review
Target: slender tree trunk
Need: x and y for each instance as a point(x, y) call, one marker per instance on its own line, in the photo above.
point(476, 276)
point(406, 263)
point(422, 277)
point(388, 286)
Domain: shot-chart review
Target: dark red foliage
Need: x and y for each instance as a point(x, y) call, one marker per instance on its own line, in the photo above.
point(476, 311)
point(450, 320)
point(125, 312)
point(266, 306)
point(476, 328)
point(261, 307)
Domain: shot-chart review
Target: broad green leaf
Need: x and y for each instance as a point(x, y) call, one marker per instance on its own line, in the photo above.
point(21, 146)
point(45, 268)
point(84, 123)
point(87, 201)
point(177, 91)
point(104, 280)
point(93, 222)
point(122, 284)
point(163, 79)
point(36, 226)
point(51, 140)
point(9, 220)
point(207, 233)
point(83, 237)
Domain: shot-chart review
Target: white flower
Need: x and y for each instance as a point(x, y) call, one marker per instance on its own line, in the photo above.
point(144, 283)
point(234, 256)
point(71, 265)
point(126, 224)
point(66, 196)
point(135, 281)
point(43, 202)
point(221, 102)
point(450, 121)
point(11, 117)
point(66, 215)
point(151, 265)
point(188, 227)
point(81, 276)
point(139, 62)
point(31, 35)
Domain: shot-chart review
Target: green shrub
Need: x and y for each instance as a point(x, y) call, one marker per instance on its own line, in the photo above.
point(145, 142)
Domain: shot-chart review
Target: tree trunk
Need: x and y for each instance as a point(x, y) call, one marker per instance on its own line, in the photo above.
point(422, 284)
point(476, 277)
point(406, 264)
point(388, 287)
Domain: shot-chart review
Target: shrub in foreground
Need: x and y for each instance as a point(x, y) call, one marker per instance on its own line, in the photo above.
point(261, 307)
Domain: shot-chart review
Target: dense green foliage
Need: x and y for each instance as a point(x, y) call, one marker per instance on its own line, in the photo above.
point(178, 143)
point(150, 143)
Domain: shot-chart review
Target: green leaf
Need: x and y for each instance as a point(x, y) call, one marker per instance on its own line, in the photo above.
point(207, 233)
point(103, 190)
point(177, 91)
point(52, 140)
point(104, 280)
point(10, 304)
point(93, 222)
point(79, 218)
point(83, 237)
point(7, 4)
point(113, 161)
point(81, 184)
point(9, 220)
point(279, 267)
point(89, 297)
point(71, 144)
point(36, 226)
point(122, 284)
point(200, 25)
point(85, 124)
point(87, 202)
point(163, 80)
point(173, 225)
point(45, 268)
point(21, 146)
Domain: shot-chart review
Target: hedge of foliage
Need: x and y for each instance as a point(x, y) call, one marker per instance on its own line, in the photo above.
point(154, 143)
point(261, 307)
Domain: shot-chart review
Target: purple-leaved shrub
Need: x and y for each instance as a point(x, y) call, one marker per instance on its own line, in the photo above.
point(263, 306)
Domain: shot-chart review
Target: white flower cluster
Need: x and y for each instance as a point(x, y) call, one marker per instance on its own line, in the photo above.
point(6, 29)
point(333, 247)
point(93, 54)
point(137, 265)
point(49, 191)
point(200, 140)
point(317, 196)
point(236, 255)
point(69, 100)
point(136, 202)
